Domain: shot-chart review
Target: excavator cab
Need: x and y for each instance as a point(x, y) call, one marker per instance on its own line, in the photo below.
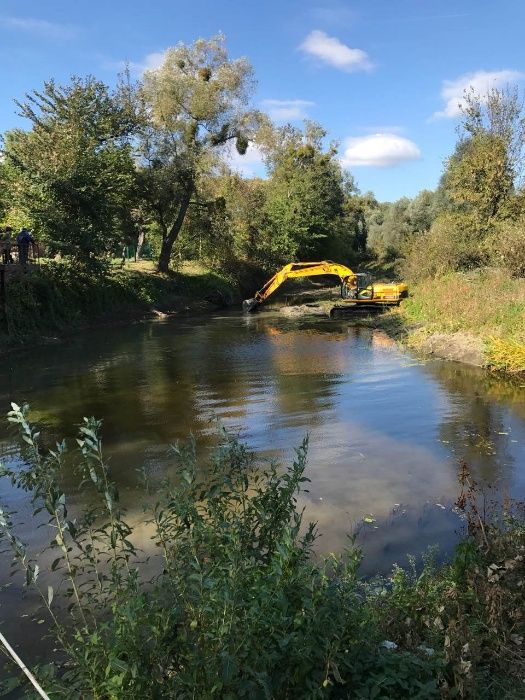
point(358, 287)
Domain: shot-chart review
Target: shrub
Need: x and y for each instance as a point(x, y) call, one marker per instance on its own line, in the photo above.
point(239, 607)
point(453, 243)
point(506, 355)
point(506, 246)
point(471, 610)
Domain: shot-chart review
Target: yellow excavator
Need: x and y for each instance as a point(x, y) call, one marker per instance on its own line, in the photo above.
point(357, 288)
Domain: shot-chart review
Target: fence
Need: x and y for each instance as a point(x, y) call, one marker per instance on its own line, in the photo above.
point(10, 254)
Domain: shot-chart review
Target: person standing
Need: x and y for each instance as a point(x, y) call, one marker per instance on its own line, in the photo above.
point(23, 240)
point(6, 246)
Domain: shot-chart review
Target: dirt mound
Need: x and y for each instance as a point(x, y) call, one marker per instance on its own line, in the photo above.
point(304, 310)
point(460, 347)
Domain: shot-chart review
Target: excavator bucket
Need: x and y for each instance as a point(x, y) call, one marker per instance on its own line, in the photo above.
point(249, 305)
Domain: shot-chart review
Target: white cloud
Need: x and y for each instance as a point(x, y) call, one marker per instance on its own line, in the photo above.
point(249, 165)
point(482, 83)
point(287, 110)
point(379, 150)
point(150, 62)
point(41, 27)
point(330, 50)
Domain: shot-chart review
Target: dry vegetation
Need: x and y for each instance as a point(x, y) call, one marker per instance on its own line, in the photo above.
point(487, 303)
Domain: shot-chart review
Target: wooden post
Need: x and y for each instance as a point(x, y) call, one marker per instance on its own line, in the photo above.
point(2, 292)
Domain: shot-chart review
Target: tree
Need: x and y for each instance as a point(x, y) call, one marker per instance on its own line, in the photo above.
point(304, 195)
point(245, 202)
point(389, 227)
point(479, 176)
point(72, 174)
point(355, 220)
point(499, 114)
point(192, 105)
point(484, 175)
point(422, 211)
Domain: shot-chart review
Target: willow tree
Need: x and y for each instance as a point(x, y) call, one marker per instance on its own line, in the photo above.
point(195, 103)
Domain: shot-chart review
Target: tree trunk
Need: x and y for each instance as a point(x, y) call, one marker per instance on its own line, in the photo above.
point(168, 241)
point(140, 243)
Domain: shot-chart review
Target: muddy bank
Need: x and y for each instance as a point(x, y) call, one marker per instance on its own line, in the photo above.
point(458, 347)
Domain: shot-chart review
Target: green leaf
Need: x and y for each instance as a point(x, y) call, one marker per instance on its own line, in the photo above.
point(229, 667)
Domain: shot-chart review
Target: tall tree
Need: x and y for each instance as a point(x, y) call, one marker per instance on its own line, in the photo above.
point(304, 195)
point(484, 174)
point(422, 211)
point(245, 202)
point(194, 103)
point(72, 173)
point(499, 114)
point(479, 176)
point(354, 224)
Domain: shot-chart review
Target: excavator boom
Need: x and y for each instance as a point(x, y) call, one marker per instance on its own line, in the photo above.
point(299, 269)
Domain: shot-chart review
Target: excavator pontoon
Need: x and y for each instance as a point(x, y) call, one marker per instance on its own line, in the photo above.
point(357, 288)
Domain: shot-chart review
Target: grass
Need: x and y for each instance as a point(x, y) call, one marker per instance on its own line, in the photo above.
point(488, 303)
point(57, 297)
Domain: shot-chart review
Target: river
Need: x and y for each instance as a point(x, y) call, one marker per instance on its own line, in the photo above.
point(387, 430)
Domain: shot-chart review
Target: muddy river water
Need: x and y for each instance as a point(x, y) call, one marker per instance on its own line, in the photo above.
point(387, 430)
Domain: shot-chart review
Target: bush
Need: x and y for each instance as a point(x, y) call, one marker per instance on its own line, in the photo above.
point(60, 295)
point(506, 246)
point(470, 610)
point(506, 355)
point(454, 242)
point(239, 607)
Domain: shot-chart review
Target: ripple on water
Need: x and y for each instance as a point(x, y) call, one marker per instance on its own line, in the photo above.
point(384, 429)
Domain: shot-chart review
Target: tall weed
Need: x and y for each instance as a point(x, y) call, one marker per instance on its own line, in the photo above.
point(238, 606)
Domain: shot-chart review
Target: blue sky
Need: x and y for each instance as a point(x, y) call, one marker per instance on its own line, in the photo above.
point(383, 77)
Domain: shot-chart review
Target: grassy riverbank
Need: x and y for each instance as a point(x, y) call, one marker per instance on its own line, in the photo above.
point(485, 305)
point(56, 299)
point(240, 608)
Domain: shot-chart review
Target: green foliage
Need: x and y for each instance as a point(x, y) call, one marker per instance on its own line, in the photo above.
point(506, 246)
point(245, 215)
point(487, 303)
point(471, 610)
point(72, 175)
point(479, 176)
point(58, 297)
point(392, 225)
point(304, 200)
point(499, 113)
point(194, 103)
point(239, 607)
point(455, 242)
point(479, 201)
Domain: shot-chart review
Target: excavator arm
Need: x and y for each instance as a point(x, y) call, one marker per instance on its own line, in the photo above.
point(299, 269)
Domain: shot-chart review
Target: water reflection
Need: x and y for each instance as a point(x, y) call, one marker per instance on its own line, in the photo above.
point(386, 430)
